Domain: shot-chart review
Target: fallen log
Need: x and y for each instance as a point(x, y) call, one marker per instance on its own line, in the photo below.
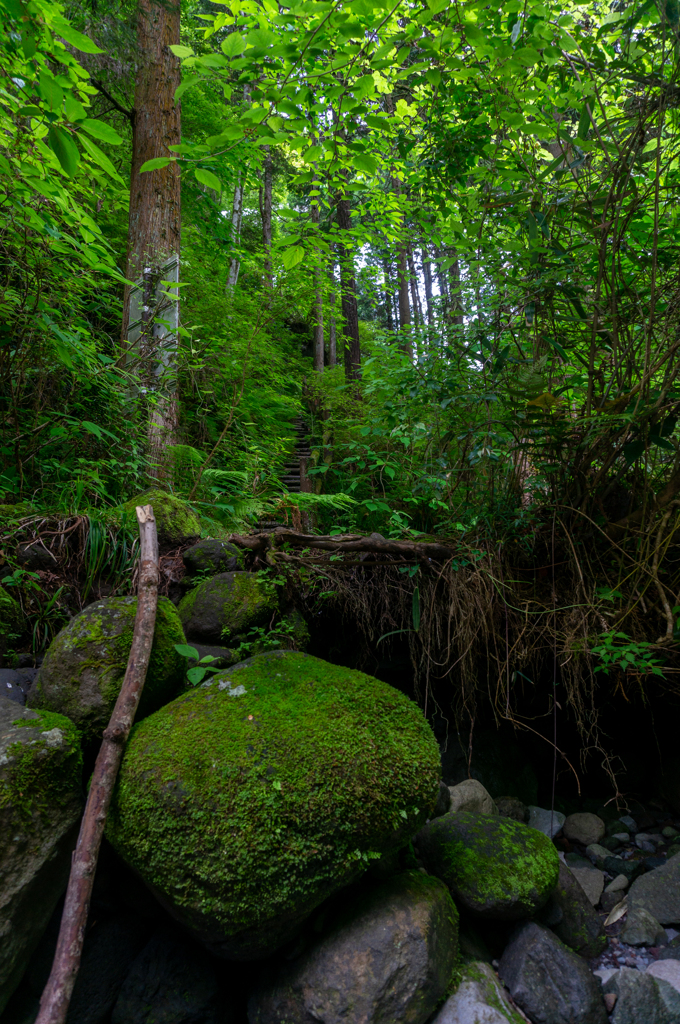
point(59, 988)
point(270, 541)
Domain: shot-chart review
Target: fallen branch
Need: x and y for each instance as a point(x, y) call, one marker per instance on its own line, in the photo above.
point(261, 543)
point(57, 994)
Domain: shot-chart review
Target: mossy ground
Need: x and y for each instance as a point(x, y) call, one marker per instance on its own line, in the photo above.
point(243, 807)
point(93, 650)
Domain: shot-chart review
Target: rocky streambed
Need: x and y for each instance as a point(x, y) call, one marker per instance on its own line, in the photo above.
point(281, 848)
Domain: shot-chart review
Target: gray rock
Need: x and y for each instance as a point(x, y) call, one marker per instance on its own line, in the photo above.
point(226, 606)
point(609, 900)
point(590, 879)
point(495, 867)
point(667, 970)
point(570, 914)
point(547, 822)
point(629, 822)
point(40, 804)
point(642, 999)
point(389, 958)
point(10, 686)
point(617, 866)
point(211, 557)
point(618, 884)
point(598, 854)
point(550, 983)
point(35, 556)
point(470, 795)
point(479, 999)
point(659, 892)
point(85, 664)
point(641, 929)
point(170, 982)
point(584, 828)
point(512, 807)
point(108, 953)
point(443, 801)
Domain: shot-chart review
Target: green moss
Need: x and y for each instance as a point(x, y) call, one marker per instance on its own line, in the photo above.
point(84, 667)
point(10, 621)
point(242, 805)
point(41, 770)
point(176, 521)
point(227, 605)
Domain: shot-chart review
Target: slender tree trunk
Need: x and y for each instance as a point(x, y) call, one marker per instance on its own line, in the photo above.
point(154, 222)
point(236, 216)
point(348, 296)
point(441, 277)
point(456, 296)
point(57, 994)
point(427, 275)
point(388, 295)
point(332, 341)
point(404, 307)
point(415, 295)
point(266, 215)
point(318, 305)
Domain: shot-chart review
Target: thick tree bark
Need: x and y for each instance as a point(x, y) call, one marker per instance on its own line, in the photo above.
point(154, 226)
point(404, 305)
point(266, 215)
point(57, 994)
point(348, 296)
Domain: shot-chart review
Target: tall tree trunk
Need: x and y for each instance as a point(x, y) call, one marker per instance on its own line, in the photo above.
point(441, 277)
point(404, 307)
point(389, 297)
point(348, 296)
point(154, 223)
point(318, 304)
point(266, 215)
point(415, 295)
point(427, 275)
point(236, 217)
point(332, 341)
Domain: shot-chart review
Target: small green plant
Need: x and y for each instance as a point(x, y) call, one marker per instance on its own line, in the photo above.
point(617, 650)
point(203, 665)
point(261, 638)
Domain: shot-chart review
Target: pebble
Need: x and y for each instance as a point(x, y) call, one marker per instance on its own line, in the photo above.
point(618, 884)
point(629, 822)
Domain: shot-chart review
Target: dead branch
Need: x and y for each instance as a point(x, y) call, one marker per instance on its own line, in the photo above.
point(57, 994)
point(261, 543)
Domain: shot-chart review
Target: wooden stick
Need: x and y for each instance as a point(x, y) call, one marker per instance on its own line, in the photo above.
point(421, 550)
point(57, 994)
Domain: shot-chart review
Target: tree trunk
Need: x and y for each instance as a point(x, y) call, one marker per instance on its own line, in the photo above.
point(266, 215)
point(318, 304)
point(57, 994)
point(415, 296)
point(348, 297)
point(332, 342)
point(456, 297)
point(427, 275)
point(236, 217)
point(404, 307)
point(388, 295)
point(154, 223)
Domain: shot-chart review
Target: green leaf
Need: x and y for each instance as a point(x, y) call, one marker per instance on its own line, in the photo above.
point(99, 157)
point(76, 39)
point(208, 178)
point(100, 130)
point(182, 51)
point(75, 111)
point(64, 148)
point(261, 37)
point(527, 56)
point(233, 45)
point(186, 651)
point(156, 164)
point(195, 674)
point(186, 84)
point(313, 154)
point(365, 162)
point(52, 93)
point(291, 257)
point(584, 123)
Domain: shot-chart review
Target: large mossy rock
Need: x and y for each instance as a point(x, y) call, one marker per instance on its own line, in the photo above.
point(246, 802)
point(495, 867)
point(40, 803)
point(389, 958)
point(84, 667)
point(176, 521)
point(10, 620)
point(226, 606)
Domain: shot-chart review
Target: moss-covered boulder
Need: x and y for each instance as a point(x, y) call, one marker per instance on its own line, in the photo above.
point(10, 622)
point(227, 605)
point(84, 667)
point(40, 803)
point(209, 557)
point(246, 802)
point(176, 521)
point(495, 867)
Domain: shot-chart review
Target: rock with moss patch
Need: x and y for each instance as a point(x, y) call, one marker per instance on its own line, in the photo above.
point(40, 804)
point(495, 867)
point(226, 606)
point(388, 958)
point(571, 916)
point(248, 801)
point(10, 621)
point(479, 999)
point(84, 667)
point(176, 520)
point(209, 557)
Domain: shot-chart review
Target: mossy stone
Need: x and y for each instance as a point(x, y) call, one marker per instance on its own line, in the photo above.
point(176, 521)
point(10, 621)
point(84, 666)
point(227, 605)
point(494, 866)
point(248, 801)
point(40, 803)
